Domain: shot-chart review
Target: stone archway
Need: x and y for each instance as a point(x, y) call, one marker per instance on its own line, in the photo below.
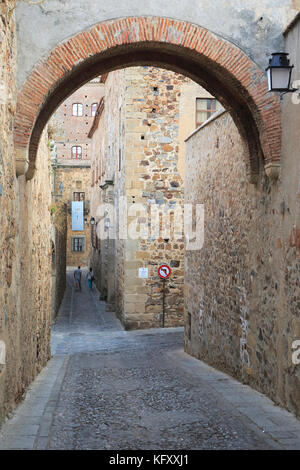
point(215, 63)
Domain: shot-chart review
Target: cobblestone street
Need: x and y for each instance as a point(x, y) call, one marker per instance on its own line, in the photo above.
point(105, 388)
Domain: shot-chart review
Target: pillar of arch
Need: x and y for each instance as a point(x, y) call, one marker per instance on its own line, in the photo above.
point(213, 62)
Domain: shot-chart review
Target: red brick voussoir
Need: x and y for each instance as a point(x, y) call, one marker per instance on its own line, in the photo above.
point(218, 65)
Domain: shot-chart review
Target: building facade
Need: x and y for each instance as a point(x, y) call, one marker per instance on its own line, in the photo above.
point(242, 288)
point(71, 157)
point(137, 191)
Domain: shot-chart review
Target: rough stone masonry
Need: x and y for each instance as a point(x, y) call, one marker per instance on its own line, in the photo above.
point(25, 242)
point(242, 289)
point(261, 314)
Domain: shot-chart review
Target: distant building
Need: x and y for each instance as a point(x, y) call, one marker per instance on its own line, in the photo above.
point(71, 165)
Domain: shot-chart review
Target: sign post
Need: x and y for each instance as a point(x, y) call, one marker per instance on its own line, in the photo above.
point(164, 272)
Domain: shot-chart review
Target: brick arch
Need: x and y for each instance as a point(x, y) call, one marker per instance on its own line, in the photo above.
point(215, 63)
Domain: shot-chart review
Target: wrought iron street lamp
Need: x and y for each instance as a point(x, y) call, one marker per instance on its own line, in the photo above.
point(92, 221)
point(279, 73)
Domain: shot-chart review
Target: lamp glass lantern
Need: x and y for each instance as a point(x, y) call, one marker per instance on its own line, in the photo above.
point(92, 221)
point(279, 72)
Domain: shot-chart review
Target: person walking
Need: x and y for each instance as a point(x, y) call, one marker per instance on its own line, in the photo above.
point(90, 278)
point(77, 277)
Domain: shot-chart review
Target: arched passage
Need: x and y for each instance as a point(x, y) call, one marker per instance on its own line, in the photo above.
point(216, 64)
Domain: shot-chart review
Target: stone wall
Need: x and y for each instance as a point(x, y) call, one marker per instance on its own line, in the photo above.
point(59, 257)
point(287, 233)
point(153, 180)
point(34, 215)
point(108, 140)
point(136, 146)
point(25, 243)
point(242, 288)
point(30, 320)
point(10, 383)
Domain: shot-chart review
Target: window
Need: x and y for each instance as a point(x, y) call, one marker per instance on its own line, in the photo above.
point(76, 152)
point(205, 108)
point(78, 196)
point(77, 109)
point(77, 244)
point(94, 109)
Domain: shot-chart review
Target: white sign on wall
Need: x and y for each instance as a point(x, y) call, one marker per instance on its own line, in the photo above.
point(143, 273)
point(77, 216)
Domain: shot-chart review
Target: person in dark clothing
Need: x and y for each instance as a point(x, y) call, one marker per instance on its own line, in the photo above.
point(77, 277)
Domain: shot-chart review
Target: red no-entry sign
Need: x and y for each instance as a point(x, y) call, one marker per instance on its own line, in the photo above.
point(164, 271)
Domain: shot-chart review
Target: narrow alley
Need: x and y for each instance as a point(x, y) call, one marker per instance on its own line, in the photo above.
point(106, 388)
